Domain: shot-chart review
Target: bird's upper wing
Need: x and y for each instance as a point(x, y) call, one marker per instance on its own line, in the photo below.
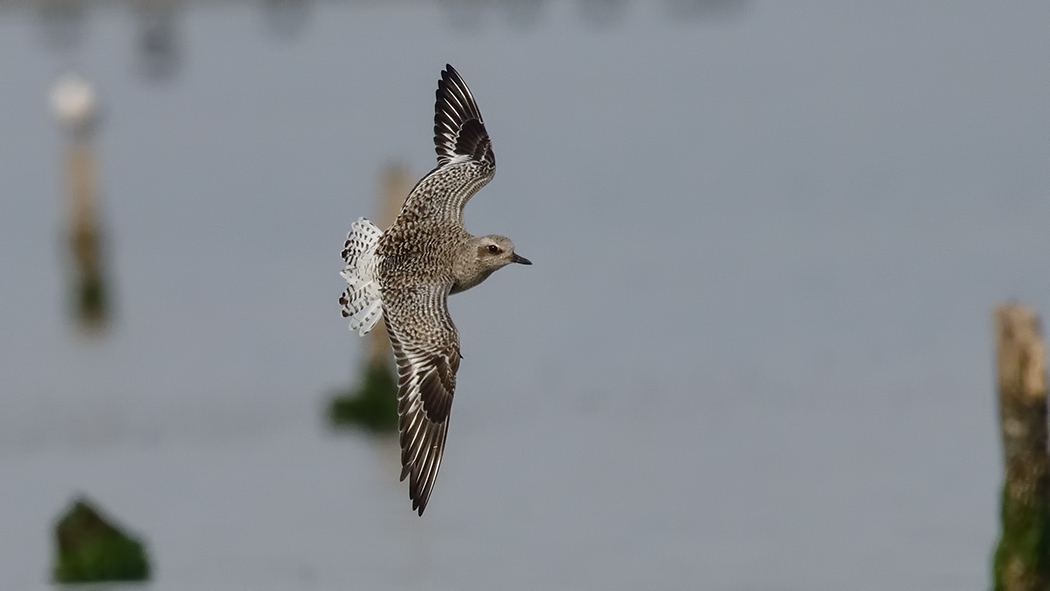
point(459, 131)
point(464, 155)
point(426, 347)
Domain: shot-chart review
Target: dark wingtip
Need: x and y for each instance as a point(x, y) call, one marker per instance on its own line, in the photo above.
point(419, 498)
point(459, 129)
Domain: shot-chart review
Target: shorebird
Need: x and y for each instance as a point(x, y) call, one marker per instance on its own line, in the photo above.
point(407, 272)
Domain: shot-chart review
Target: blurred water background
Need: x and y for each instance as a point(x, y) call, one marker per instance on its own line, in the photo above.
point(753, 353)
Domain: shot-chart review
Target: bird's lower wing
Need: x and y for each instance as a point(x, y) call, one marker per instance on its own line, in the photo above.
point(426, 347)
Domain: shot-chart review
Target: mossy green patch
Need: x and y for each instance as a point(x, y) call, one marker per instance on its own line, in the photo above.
point(91, 300)
point(90, 549)
point(1022, 557)
point(373, 406)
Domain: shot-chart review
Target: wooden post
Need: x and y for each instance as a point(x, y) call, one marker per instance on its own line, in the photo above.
point(74, 104)
point(373, 405)
point(1022, 558)
point(396, 183)
point(86, 238)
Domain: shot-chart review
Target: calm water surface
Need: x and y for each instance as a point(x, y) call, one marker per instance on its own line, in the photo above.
point(753, 351)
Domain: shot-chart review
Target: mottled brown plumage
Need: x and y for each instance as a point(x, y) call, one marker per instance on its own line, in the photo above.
point(416, 263)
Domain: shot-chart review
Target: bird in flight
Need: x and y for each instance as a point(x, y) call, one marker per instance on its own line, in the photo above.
point(407, 272)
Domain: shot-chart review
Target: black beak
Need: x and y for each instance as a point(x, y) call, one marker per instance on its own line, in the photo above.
point(517, 258)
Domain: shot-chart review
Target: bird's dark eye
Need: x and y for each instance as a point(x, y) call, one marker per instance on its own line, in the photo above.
point(493, 249)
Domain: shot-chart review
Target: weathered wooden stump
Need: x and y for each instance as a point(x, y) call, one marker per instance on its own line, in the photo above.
point(373, 405)
point(75, 106)
point(1022, 557)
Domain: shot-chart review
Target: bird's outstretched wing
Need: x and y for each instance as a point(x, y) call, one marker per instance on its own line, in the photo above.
point(464, 155)
point(426, 347)
point(459, 131)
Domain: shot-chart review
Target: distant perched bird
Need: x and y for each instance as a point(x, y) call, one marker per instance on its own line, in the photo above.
point(407, 272)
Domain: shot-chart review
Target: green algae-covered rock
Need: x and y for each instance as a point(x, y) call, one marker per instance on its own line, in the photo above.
point(373, 406)
point(89, 548)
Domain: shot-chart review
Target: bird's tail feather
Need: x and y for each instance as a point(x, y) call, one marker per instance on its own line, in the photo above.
point(362, 301)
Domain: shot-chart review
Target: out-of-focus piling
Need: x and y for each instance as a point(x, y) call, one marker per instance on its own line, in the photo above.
point(396, 183)
point(90, 294)
point(73, 100)
point(1022, 557)
point(373, 405)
